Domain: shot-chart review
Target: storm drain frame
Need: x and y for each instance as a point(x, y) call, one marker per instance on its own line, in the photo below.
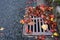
point(36, 28)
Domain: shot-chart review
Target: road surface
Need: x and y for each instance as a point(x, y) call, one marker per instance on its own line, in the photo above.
point(39, 2)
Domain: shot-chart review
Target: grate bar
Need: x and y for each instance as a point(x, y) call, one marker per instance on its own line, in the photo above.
point(33, 25)
point(36, 26)
point(30, 28)
point(40, 25)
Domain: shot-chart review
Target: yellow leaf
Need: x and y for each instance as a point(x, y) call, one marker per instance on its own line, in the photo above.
point(44, 26)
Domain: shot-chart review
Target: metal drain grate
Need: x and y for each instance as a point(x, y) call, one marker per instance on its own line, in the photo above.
point(36, 28)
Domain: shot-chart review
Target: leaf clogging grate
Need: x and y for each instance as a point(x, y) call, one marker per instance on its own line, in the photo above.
point(39, 21)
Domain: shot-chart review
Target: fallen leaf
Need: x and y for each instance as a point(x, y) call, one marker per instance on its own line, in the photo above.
point(44, 26)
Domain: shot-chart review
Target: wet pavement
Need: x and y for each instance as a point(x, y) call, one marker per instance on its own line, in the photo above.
point(10, 15)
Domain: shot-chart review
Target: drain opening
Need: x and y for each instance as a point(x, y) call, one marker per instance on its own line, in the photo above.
point(41, 30)
point(35, 21)
point(38, 27)
point(41, 23)
point(32, 28)
point(28, 28)
point(49, 27)
point(35, 27)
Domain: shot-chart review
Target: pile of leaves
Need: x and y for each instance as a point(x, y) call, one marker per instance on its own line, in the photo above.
point(44, 12)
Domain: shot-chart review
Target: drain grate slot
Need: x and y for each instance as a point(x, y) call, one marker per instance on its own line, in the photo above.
point(38, 27)
point(49, 27)
point(35, 21)
point(31, 28)
point(41, 23)
point(35, 28)
point(41, 30)
point(28, 28)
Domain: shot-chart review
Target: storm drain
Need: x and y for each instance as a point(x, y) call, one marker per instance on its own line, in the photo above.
point(36, 28)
